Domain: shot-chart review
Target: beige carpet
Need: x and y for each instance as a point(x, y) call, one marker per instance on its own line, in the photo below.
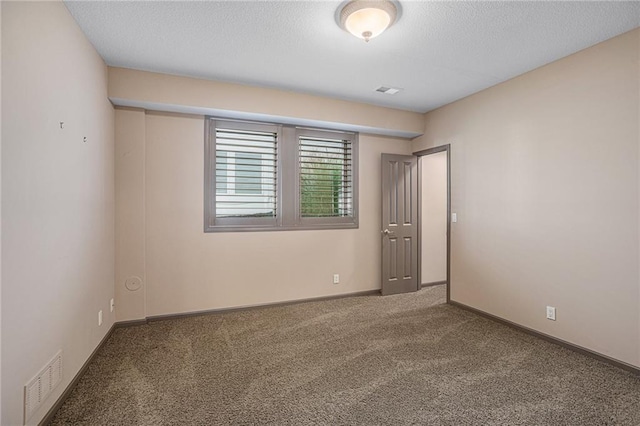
point(396, 360)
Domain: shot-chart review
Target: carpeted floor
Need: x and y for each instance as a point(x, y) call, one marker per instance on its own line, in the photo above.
point(396, 360)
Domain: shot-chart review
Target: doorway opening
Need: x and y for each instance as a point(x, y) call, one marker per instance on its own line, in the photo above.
point(434, 213)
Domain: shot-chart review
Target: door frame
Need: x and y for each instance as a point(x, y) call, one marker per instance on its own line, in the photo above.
point(442, 148)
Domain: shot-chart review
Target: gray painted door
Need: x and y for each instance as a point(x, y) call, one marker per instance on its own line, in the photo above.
point(399, 224)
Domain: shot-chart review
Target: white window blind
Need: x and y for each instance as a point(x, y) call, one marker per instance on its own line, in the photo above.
point(245, 173)
point(264, 176)
point(326, 177)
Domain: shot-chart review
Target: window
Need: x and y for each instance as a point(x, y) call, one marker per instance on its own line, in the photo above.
point(326, 178)
point(268, 177)
point(250, 174)
point(222, 173)
point(244, 174)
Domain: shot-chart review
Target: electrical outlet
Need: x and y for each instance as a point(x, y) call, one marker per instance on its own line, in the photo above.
point(112, 305)
point(336, 278)
point(99, 318)
point(551, 313)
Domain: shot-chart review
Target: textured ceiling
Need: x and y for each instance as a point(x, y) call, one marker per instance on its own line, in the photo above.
point(437, 52)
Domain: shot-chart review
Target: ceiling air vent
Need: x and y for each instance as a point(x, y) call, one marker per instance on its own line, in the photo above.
point(388, 90)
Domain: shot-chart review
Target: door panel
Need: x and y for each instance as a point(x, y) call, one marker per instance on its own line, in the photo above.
point(393, 253)
point(408, 253)
point(393, 192)
point(409, 201)
point(399, 227)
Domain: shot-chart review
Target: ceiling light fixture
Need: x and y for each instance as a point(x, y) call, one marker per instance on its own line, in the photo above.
point(367, 19)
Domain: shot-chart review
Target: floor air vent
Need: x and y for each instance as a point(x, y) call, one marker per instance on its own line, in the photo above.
point(41, 386)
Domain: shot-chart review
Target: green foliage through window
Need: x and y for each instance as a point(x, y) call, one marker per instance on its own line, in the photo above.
point(325, 178)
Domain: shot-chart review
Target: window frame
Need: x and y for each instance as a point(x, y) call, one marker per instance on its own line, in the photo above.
point(288, 196)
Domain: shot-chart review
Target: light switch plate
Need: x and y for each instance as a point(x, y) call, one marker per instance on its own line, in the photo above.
point(454, 217)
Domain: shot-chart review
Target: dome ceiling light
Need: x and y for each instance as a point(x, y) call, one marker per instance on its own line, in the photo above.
point(367, 19)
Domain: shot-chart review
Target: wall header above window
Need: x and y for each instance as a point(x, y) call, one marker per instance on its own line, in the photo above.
point(186, 95)
point(249, 116)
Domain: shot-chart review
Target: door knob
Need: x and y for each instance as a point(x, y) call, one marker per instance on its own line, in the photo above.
point(387, 232)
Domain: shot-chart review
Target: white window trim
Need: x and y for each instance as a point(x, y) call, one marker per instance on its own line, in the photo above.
point(288, 215)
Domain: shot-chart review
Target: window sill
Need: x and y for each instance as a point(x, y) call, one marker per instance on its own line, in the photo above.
point(335, 226)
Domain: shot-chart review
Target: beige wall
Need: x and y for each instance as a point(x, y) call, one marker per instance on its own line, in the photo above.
point(159, 204)
point(188, 270)
point(130, 213)
point(433, 191)
point(162, 92)
point(57, 198)
point(545, 185)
